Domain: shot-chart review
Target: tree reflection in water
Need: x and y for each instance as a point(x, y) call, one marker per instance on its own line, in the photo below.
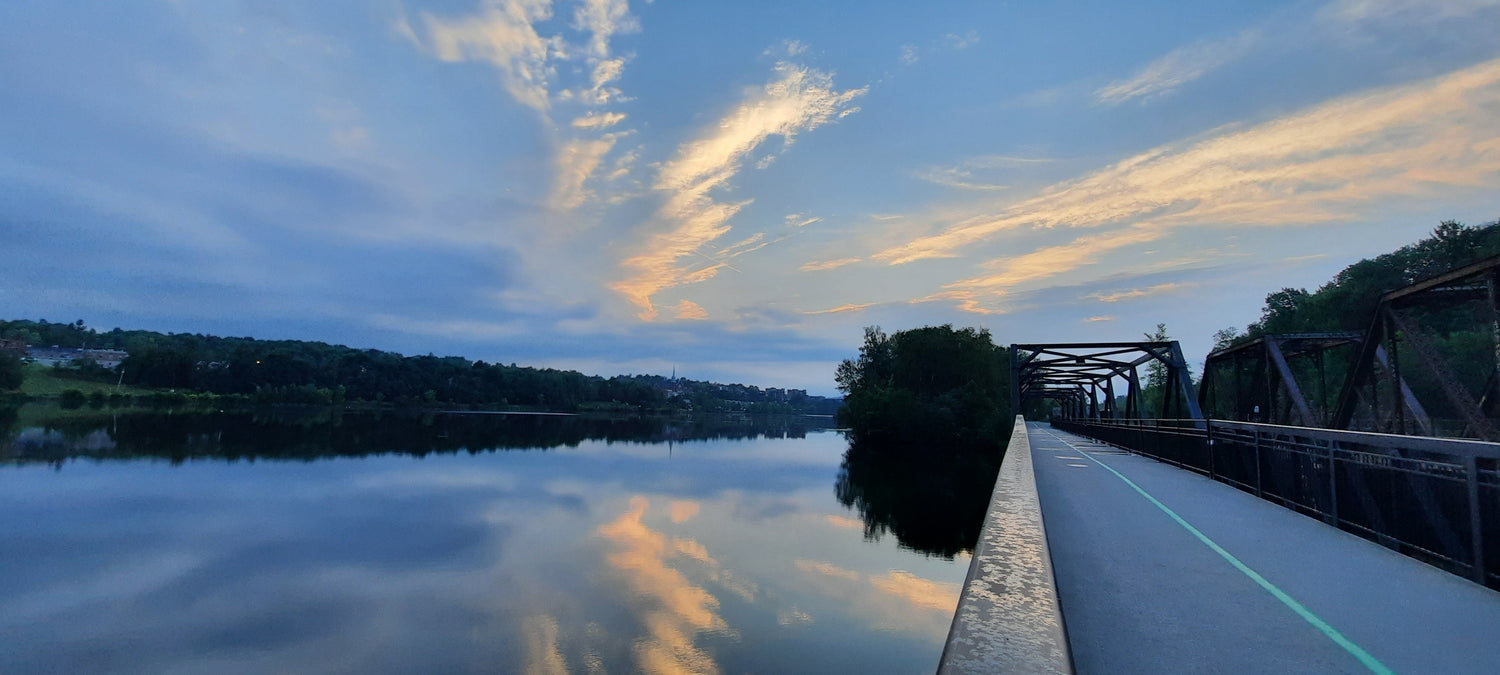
point(305, 434)
point(933, 502)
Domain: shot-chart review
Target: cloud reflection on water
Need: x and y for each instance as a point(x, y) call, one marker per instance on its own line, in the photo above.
point(678, 609)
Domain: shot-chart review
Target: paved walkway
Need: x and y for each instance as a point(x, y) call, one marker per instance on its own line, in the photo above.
point(1160, 570)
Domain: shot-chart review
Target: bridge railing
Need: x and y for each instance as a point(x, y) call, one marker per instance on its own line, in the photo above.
point(1435, 499)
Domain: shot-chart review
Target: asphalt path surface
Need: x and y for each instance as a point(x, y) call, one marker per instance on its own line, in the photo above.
point(1161, 570)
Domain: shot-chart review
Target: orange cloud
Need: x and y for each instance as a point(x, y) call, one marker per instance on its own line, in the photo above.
point(1318, 165)
point(799, 99)
point(980, 294)
point(688, 310)
point(1134, 293)
point(843, 308)
point(819, 266)
point(682, 510)
point(846, 522)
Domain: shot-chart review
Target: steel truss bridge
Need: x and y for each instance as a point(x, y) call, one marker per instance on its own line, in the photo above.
point(1338, 426)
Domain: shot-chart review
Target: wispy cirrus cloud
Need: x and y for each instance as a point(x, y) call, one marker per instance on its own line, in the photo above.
point(575, 162)
point(599, 120)
point(1406, 10)
point(604, 18)
point(982, 294)
point(504, 34)
point(961, 41)
point(800, 220)
point(844, 308)
point(1178, 67)
point(822, 265)
point(1319, 165)
point(1136, 293)
point(972, 173)
point(798, 99)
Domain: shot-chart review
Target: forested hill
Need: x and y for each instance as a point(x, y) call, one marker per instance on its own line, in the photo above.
point(316, 372)
point(1347, 302)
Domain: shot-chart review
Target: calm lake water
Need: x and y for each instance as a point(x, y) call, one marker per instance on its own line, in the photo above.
point(282, 542)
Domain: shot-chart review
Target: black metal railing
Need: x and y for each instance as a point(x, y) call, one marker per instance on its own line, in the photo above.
point(1434, 499)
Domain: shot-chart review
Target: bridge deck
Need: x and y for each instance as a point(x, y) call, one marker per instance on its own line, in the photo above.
point(1201, 577)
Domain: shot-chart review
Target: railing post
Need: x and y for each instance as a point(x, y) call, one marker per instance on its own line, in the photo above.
point(1476, 526)
point(1208, 435)
point(1259, 492)
point(1333, 484)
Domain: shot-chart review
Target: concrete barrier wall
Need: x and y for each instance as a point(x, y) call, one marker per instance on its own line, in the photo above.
point(1008, 618)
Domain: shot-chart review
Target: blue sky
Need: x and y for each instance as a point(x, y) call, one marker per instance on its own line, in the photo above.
point(731, 188)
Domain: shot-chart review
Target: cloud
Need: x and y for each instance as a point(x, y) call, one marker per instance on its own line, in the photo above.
point(1354, 11)
point(908, 54)
point(1097, 319)
point(1054, 260)
point(604, 18)
point(623, 164)
point(1134, 293)
point(843, 308)
point(845, 522)
point(966, 174)
point(1318, 165)
point(505, 36)
point(793, 617)
point(786, 48)
point(1180, 66)
point(687, 310)
point(818, 266)
point(753, 242)
point(797, 100)
point(575, 162)
point(800, 220)
point(692, 549)
point(961, 177)
point(978, 295)
point(683, 510)
point(964, 41)
point(598, 120)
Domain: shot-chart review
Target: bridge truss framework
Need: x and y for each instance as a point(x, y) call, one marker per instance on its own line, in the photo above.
point(1081, 377)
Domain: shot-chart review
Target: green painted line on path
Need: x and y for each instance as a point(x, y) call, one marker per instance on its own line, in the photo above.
point(1338, 638)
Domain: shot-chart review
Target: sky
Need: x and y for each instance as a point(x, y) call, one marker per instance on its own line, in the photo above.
point(733, 190)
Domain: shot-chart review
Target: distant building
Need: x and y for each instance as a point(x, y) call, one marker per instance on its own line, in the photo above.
point(67, 356)
point(17, 347)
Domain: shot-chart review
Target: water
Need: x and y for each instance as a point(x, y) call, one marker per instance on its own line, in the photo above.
point(161, 543)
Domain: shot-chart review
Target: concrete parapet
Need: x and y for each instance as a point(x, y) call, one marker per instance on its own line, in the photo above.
point(1008, 618)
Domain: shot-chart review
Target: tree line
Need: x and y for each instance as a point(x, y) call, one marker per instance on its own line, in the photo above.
point(296, 371)
point(1347, 302)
